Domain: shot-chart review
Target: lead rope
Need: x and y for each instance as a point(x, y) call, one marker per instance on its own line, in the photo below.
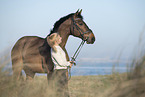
point(75, 56)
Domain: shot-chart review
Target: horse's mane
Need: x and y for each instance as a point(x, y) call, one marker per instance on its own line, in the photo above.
point(56, 26)
point(61, 20)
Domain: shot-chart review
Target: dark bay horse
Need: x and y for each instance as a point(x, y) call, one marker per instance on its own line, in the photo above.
point(32, 53)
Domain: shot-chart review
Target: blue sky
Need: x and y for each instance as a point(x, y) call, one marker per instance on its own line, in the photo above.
point(116, 24)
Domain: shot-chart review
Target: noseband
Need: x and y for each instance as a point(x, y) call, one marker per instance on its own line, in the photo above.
point(79, 29)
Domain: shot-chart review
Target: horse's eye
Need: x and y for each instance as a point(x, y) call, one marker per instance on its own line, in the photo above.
point(81, 24)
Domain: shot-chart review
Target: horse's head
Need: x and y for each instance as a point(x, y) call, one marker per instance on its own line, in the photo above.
point(80, 29)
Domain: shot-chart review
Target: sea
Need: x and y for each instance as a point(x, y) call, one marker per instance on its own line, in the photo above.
point(92, 68)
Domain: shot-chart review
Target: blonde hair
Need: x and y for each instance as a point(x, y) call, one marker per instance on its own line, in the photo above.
point(51, 41)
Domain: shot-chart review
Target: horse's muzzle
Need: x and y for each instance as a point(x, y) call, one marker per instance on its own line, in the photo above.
point(91, 39)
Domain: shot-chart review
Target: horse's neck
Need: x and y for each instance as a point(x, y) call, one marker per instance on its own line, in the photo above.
point(64, 32)
point(64, 36)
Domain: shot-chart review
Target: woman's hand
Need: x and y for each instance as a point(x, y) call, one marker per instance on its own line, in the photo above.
point(71, 63)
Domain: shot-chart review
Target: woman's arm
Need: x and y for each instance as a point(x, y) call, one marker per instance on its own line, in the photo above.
point(60, 57)
point(67, 57)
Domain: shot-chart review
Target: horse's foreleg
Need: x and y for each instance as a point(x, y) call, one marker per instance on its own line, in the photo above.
point(49, 76)
point(29, 73)
point(17, 69)
point(30, 76)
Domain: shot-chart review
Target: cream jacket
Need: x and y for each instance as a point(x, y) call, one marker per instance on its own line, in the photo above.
point(59, 58)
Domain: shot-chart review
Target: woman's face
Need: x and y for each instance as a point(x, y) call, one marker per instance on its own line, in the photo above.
point(59, 39)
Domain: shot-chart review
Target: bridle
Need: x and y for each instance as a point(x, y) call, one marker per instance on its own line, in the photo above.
point(79, 29)
point(82, 43)
point(81, 34)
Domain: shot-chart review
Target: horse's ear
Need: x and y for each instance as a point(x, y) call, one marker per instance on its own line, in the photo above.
point(80, 12)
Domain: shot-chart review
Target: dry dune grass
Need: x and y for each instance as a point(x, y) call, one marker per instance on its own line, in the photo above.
point(130, 84)
point(79, 86)
point(93, 86)
point(35, 88)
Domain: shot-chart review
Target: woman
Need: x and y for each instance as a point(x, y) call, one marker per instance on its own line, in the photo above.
point(60, 65)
